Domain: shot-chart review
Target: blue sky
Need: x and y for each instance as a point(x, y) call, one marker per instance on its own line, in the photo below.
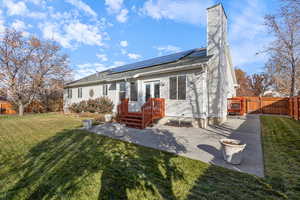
point(98, 34)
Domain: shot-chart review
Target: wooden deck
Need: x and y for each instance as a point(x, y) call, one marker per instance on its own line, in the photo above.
point(153, 109)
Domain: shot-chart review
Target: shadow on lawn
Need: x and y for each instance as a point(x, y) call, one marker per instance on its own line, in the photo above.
point(58, 167)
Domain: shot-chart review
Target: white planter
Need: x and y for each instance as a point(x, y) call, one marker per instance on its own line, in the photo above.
point(232, 151)
point(108, 117)
point(87, 124)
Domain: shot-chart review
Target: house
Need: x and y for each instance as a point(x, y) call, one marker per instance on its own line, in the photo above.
point(6, 107)
point(194, 84)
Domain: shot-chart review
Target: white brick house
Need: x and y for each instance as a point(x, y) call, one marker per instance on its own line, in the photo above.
point(195, 84)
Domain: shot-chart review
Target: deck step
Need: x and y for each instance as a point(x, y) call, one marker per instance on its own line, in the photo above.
point(131, 119)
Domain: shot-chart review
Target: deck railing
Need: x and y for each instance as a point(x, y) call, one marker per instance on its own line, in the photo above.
point(153, 109)
point(122, 108)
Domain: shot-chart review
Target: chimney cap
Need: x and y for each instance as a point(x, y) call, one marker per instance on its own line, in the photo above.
point(218, 4)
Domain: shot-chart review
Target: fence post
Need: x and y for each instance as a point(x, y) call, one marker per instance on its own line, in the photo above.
point(298, 106)
point(260, 105)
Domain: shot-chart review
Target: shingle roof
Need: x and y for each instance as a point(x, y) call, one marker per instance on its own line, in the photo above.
point(174, 60)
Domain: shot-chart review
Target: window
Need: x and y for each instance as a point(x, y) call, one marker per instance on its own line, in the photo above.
point(177, 89)
point(69, 93)
point(181, 87)
point(156, 90)
point(79, 92)
point(122, 91)
point(112, 86)
point(173, 88)
point(91, 92)
point(133, 91)
point(105, 88)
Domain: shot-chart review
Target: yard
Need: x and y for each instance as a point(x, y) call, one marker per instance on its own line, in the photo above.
point(45, 157)
point(281, 142)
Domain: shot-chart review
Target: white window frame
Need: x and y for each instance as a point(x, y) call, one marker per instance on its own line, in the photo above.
point(137, 91)
point(69, 93)
point(105, 90)
point(176, 76)
point(80, 91)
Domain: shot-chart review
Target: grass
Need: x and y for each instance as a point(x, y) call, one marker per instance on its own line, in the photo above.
point(45, 157)
point(281, 144)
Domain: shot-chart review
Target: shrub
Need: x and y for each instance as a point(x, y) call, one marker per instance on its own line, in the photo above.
point(100, 105)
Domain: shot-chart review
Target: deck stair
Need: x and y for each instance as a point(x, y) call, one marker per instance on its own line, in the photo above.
point(153, 109)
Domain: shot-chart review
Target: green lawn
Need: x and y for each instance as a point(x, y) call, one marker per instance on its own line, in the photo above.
point(281, 142)
point(44, 157)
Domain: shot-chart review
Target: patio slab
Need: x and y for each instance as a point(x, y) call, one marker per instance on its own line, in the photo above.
point(199, 144)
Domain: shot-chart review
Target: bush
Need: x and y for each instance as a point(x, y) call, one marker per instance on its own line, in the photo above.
point(100, 105)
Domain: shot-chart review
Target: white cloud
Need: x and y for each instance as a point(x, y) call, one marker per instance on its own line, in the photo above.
point(37, 15)
point(20, 26)
point(2, 23)
point(20, 8)
point(86, 69)
point(15, 8)
point(103, 57)
point(122, 16)
point(52, 31)
point(167, 49)
point(37, 2)
point(114, 5)
point(250, 17)
point(83, 6)
point(73, 33)
point(124, 43)
point(134, 56)
point(188, 11)
point(84, 33)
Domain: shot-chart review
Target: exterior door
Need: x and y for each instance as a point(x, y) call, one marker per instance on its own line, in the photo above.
point(151, 90)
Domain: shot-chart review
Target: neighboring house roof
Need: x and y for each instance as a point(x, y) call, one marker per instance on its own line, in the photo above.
point(189, 57)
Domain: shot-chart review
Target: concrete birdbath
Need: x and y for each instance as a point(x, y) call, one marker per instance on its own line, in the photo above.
point(87, 123)
point(232, 151)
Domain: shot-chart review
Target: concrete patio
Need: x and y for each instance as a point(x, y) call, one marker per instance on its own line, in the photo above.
point(199, 144)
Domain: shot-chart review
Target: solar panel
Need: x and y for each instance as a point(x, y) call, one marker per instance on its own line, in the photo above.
point(154, 61)
point(199, 53)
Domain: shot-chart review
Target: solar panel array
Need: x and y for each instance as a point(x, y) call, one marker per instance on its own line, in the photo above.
point(154, 61)
point(199, 53)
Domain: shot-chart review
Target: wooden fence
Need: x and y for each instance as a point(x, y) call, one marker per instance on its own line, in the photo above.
point(294, 105)
point(265, 105)
point(6, 108)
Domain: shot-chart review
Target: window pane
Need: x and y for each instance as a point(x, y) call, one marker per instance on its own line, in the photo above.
point(133, 91)
point(113, 86)
point(122, 91)
point(69, 93)
point(79, 92)
point(148, 92)
point(122, 95)
point(156, 90)
point(105, 90)
point(181, 87)
point(173, 88)
point(122, 86)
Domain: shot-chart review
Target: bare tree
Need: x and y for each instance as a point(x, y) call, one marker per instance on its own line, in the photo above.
point(27, 65)
point(285, 49)
point(259, 83)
